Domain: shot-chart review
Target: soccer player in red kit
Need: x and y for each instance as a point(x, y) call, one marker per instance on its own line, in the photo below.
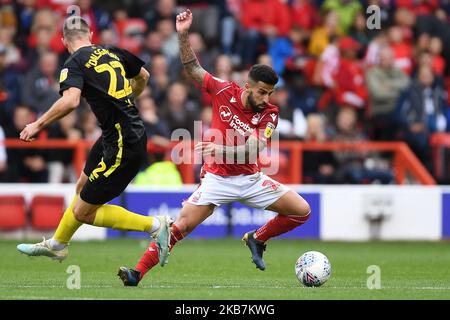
point(239, 114)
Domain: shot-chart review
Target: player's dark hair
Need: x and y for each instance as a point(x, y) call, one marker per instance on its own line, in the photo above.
point(75, 27)
point(263, 73)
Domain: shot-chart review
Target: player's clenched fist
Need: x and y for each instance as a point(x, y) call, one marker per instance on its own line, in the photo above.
point(184, 21)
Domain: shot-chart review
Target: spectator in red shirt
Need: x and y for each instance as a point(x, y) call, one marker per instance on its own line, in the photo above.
point(402, 50)
point(423, 7)
point(350, 87)
point(304, 14)
point(262, 21)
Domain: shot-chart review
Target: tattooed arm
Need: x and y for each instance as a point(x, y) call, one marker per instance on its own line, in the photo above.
point(246, 153)
point(187, 55)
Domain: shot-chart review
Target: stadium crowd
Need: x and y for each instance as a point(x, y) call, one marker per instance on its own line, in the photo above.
point(339, 79)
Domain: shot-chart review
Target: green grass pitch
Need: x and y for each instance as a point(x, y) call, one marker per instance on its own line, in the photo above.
point(221, 269)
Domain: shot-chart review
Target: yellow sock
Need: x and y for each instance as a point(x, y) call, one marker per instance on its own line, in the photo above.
point(116, 217)
point(67, 226)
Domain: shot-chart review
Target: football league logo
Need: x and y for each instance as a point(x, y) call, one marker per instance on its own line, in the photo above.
point(63, 74)
point(225, 113)
point(269, 130)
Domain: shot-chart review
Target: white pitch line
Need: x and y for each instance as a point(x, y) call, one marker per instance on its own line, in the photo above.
point(229, 287)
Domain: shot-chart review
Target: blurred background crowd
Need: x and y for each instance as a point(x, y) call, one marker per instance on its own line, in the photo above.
point(339, 79)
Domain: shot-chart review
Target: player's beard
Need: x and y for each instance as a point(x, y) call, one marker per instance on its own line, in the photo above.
point(255, 107)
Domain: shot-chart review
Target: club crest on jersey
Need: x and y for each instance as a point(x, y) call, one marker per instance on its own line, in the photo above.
point(269, 130)
point(63, 74)
point(255, 119)
point(225, 113)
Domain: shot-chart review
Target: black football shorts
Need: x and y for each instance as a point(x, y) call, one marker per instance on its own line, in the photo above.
point(110, 168)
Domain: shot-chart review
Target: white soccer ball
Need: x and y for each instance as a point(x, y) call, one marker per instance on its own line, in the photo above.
point(312, 269)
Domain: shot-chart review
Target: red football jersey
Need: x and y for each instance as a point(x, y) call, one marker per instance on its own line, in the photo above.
point(233, 124)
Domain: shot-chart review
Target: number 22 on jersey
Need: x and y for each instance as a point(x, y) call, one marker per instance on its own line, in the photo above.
point(111, 68)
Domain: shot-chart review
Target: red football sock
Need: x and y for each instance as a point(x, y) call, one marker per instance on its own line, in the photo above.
point(279, 225)
point(150, 257)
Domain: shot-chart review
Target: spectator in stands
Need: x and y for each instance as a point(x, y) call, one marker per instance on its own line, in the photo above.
point(97, 18)
point(9, 88)
point(230, 17)
point(89, 126)
point(25, 11)
point(318, 166)
point(327, 65)
point(372, 55)
point(178, 111)
point(423, 111)
point(159, 78)
point(156, 128)
point(291, 122)
point(206, 57)
point(288, 52)
point(152, 46)
point(323, 34)
point(356, 167)
point(24, 165)
point(385, 83)
point(346, 11)
point(169, 38)
point(60, 168)
point(358, 31)
point(42, 83)
point(438, 62)
point(350, 88)
point(8, 32)
point(207, 21)
point(45, 35)
point(304, 15)
point(401, 48)
point(108, 38)
point(224, 68)
point(262, 22)
point(163, 10)
point(130, 31)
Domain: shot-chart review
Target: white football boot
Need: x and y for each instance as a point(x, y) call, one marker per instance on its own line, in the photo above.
point(43, 249)
point(162, 239)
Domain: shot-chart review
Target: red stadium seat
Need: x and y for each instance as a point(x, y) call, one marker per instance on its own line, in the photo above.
point(46, 211)
point(12, 212)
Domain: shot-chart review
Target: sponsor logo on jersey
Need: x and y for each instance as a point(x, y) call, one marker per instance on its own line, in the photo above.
point(233, 100)
point(269, 130)
point(274, 116)
point(243, 128)
point(63, 74)
point(225, 113)
point(256, 118)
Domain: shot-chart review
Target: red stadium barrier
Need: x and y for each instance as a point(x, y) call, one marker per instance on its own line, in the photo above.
point(439, 143)
point(404, 159)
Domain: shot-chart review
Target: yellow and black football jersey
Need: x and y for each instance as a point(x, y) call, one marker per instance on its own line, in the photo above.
point(102, 74)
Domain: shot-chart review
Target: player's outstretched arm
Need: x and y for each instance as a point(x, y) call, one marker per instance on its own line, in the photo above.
point(63, 106)
point(139, 82)
point(187, 55)
point(248, 152)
